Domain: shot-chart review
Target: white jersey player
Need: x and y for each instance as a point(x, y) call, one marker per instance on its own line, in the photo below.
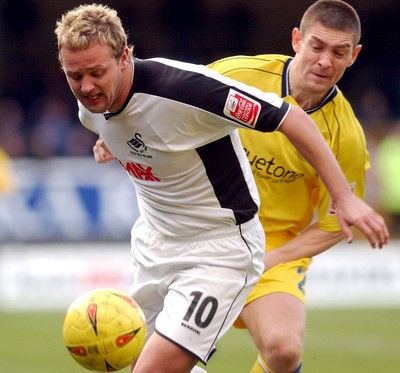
point(175, 136)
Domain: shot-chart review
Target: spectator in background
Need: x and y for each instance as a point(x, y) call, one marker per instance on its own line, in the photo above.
point(373, 104)
point(56, 132)
point(8, 182)
point(374, 110)
point(13, 139)
point(53, 132)
point(79, 142)
point(388, 169)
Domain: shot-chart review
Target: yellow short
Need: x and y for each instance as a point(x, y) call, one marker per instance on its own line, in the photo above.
point(284, 278)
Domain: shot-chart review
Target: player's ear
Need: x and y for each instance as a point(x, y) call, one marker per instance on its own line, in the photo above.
point(125, 57)
point(296, 39)
point(355, 53)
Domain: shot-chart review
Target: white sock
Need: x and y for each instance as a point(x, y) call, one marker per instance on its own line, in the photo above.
point(197, 369)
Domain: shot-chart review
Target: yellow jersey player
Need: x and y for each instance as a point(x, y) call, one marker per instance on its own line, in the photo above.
point(291, 192)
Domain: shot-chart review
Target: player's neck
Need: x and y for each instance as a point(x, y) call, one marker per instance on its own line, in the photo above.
point(301, 93)
point(305, 99)
point(127, 80)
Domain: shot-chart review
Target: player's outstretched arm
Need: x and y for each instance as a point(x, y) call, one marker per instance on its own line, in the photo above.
point(350, 210)
point(101, 153)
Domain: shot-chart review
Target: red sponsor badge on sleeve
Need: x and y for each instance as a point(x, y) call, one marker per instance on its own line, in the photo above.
point(242, 108)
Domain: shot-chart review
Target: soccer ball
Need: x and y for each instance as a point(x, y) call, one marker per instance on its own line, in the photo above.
point(104, 330)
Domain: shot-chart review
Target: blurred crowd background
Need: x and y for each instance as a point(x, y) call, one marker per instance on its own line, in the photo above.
point(38, 113)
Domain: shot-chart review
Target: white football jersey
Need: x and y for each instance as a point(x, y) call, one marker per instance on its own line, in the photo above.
point(176, 138)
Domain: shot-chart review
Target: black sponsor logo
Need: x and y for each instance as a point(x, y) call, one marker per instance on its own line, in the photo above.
point(270, 169)
point(139, 148)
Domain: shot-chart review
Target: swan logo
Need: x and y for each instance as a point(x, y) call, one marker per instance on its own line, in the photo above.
point(139, 148)
point(137, 144)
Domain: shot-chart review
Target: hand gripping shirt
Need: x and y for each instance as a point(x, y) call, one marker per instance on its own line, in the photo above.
point(176, 137)
point(290, 190)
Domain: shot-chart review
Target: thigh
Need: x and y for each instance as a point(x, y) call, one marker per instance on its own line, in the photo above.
point(276, 316)
point(164, 356)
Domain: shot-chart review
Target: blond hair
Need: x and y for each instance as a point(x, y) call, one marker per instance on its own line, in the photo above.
point(80, 27)
point(333, 14)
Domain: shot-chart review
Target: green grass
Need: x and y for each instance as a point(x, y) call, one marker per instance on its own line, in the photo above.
point(353, 341)
point(345, 341)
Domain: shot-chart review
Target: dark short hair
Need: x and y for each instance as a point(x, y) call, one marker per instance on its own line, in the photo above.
point(333, 14)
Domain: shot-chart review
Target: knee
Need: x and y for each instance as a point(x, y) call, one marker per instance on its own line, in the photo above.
point(283, 352)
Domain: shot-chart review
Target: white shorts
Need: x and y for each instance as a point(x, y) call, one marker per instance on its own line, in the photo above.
point(192, 289)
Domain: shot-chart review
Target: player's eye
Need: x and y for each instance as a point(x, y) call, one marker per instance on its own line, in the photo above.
point(340, 54)
point(317, 48)
point(74, 77)
point(98, 73)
